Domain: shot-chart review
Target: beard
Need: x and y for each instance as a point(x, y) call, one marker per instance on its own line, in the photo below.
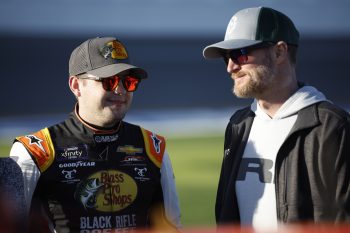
point(256, 81)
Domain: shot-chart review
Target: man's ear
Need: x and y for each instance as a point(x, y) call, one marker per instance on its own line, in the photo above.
point(281, 52)
point(74, 85)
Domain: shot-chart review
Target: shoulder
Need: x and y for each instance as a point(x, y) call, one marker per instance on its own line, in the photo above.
point(331, 113)
point(324, 116)
point(40, 146)
point(154, 145)
point(327, 108)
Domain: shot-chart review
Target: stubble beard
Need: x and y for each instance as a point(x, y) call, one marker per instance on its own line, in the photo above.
point(257, 81)
point(110, 115)
point(118, 114)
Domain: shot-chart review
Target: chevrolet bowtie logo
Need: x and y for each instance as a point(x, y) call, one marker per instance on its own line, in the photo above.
point(129, 150)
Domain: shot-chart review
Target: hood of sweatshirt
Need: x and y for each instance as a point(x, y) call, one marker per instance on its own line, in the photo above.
point(304, 97)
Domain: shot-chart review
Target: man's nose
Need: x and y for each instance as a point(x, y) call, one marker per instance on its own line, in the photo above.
point(120, 90)
point(232, 66)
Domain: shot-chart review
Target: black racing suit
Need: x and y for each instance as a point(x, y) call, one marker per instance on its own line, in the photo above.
point(94, 179)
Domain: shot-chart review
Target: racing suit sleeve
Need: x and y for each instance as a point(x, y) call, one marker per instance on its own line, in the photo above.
point(29, 169)
point(171, 202)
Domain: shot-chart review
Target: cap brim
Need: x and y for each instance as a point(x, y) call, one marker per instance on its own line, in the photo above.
point(113, 69)
point(218, 49)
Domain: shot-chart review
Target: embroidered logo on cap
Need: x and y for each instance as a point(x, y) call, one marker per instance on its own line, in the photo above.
point(114, 50)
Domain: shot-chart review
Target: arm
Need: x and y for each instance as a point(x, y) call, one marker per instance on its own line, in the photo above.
point(171, 203)
point(328, 167)
point(342, 176)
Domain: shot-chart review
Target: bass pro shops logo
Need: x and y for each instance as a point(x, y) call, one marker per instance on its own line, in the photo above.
point(107, 191)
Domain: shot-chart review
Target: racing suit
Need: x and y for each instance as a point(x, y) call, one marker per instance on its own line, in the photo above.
point(91, 180)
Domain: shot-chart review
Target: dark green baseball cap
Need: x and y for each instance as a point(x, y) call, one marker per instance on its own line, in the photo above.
point(252, 26)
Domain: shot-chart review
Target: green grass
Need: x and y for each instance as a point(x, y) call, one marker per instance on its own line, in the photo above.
point(196, 162)
point(5, 147)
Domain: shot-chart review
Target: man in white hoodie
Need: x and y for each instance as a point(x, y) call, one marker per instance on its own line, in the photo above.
point(287, 156)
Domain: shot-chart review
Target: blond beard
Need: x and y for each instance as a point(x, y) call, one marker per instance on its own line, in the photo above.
point(257, 82)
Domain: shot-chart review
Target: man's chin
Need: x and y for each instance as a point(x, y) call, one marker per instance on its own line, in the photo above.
point(119, 117)
point(242, 93)
point(115, 115)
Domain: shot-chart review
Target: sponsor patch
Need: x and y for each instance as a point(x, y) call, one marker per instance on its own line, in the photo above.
point(129, 150)
point(104, 224)
point(141, 172)
point(107, 191)
point(132, 159)
point(77, 164)
point(69, 176)
point(72, 153)
point(105, 138)
point(114, 50)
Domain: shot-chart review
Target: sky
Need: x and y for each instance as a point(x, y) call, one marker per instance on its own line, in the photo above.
point(160, 17)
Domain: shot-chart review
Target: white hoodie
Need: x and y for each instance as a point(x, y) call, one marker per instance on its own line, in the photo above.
point(255, 182)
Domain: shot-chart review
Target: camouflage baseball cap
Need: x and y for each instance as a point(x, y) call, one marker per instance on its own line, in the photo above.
point(102, 57)
point(252, 26)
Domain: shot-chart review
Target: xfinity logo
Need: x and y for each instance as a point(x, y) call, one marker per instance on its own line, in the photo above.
point(77, 152)
point(71, 153)
point(77, 164)
point(106, 138)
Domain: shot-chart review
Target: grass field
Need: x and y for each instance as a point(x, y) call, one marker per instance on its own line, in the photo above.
point(5, 148)
point(196, 163)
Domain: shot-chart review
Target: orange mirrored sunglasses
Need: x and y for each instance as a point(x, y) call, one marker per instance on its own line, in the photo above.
point(129, 82)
